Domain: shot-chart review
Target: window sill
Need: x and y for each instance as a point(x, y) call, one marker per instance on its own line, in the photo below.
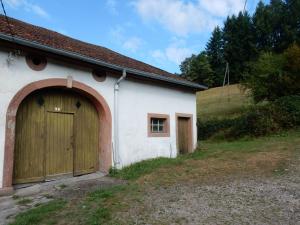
point(159, 135)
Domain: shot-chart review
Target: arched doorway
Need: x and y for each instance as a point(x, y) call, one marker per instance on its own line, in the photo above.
point(80, 90)
point(56, 135)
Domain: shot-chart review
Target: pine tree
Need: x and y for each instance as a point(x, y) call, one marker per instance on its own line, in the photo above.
point(239, 44)
point(293, 12)
point(280, 28)
point(215, 53)
point(263, 27)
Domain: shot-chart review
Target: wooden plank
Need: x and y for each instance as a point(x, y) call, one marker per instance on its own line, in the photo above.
point(29, 145)
point(183, 135)
point(86, 138)
point(59, 149)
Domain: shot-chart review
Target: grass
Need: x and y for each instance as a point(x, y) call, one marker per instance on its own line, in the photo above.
point(24, 201)
point(265, 156)
point(41, 213)
point(210, 149)
point(218, 103)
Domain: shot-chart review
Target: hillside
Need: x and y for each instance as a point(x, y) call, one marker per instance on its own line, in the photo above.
point(221, 102)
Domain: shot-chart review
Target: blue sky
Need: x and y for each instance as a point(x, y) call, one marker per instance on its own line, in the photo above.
point(159, 32)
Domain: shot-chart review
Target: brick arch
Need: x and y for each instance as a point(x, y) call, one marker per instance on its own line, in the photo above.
point(105, 120)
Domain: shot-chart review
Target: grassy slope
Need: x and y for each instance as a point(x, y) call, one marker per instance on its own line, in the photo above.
point(214, 160)
point(221, 102)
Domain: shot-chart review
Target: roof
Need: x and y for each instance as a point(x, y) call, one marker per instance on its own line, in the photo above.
point(44, 39)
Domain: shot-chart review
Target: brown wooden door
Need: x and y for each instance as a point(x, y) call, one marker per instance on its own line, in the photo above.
point(86, 140)
point(57, 133)
point(183, 135)
point(59, 144)
point(29, 144)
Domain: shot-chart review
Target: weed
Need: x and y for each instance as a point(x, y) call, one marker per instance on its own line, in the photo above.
point(36, 215)
point(15, 197)
point(24, 201)
point(48, 196)
point(62, 186)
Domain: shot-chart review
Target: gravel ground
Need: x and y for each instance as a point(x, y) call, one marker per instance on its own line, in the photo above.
point(237, 202)
point(234, 200)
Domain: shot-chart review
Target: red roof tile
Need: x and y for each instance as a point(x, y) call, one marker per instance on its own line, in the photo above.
point(58, 41)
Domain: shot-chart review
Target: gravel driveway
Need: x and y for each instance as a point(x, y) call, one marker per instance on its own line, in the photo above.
point(234, 200)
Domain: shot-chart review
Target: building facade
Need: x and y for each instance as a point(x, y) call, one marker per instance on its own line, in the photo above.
point(69, 108)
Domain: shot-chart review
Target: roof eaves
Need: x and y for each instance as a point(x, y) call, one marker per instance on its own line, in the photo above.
point(84, 58)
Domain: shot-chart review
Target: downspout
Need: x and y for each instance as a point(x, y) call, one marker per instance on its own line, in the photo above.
point(116, 157)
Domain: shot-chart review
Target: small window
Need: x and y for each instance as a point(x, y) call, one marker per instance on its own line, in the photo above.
point(99, 75)
point(36, 62)
point(158, 125)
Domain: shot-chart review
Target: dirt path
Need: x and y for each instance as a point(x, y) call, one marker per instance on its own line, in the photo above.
point(71, 188)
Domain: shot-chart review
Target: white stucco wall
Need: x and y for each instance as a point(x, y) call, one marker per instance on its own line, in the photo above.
point(135, 101)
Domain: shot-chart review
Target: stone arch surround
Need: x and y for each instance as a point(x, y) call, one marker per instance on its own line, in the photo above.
point(105, 120)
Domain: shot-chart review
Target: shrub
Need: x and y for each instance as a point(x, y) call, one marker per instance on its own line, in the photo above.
point(284, 113)
point(208, 128)
point(274, 75)
point(288, 111)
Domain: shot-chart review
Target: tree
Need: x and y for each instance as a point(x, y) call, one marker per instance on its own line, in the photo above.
point(293, 12)
point(275, 75)
point(280, 35)
point(263, 27)
point(277, 25)
point(215, 53)
point(239, 44)
point(197, 69)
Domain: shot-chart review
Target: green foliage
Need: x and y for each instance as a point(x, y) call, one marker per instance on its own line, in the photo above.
point(288, 108)
point(197, 69)
point(102, 194)
point(239, 44)
point(99, 216)
point(215, 52)
point(97, 210)
point(24, 201)
point(272, 28)
point(281, 114)
point(274, 75)
point(206, 129)
point(136, 170)
point(36, 215)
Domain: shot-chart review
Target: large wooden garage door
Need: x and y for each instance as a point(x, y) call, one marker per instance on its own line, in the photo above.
point(56, 134)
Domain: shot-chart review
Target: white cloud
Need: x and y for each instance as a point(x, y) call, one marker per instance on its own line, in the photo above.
point(175, 53)
point(222, 8)
point(132, 44)
point(158, 55)
point(184, 17)
point(117, 33)
point(129, 43)
point(112, 6)
point(28, 6)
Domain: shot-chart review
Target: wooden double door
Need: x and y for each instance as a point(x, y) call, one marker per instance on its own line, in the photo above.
point(56, 136)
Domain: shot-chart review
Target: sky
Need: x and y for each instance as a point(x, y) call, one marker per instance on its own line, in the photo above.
point(158, 32)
